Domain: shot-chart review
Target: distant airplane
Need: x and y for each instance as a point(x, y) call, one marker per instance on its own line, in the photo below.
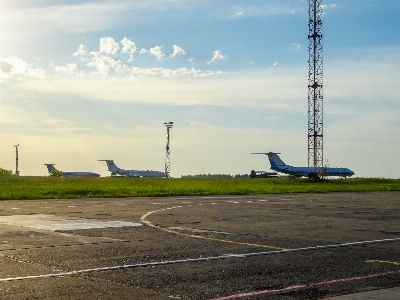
point(278, 165)
point(263, 174)
point(50, 167)
point(112, 167)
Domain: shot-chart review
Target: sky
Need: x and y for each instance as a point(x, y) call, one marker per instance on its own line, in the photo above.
point(82, 81)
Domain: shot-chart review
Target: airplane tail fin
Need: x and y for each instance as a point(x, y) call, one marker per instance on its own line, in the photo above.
point(112, 167)
point(50, 167)
point(274, 159)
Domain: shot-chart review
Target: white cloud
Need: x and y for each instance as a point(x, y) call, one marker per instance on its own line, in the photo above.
point(98, 16)
point(87, 16)
point(298, 46)
point(157, 51)
point(69, 69)
point(217, 56)
point(105, 63)
point(180, 72)
point(324, 8)
point(275, 64)
point(177, 51)
point(328, 6)
point(265, 8)
point(5, 67)
point(81, 52)
point(108, 45)
point(128, 47)
point(13, 67)
point(143, 51)
point(183, 87)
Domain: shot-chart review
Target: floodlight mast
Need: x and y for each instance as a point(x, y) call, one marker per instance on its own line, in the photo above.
point(169, 126)
point(315, 97)
point(16, 159)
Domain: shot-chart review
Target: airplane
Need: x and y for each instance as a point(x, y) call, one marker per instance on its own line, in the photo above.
point(278, 165)
point(263, 174)
point(50, 167)
point(112, 167)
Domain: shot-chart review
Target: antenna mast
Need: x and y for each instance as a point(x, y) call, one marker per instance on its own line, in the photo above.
point(315, 112)
point(169, 126)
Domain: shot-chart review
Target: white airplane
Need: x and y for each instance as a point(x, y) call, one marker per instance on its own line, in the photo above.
point(50, 167)
point(112, 167)
point(278, 165)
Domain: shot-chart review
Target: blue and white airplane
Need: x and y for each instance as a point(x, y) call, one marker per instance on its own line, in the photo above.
point(278, 165)
point(50, 167)
point(112, 167)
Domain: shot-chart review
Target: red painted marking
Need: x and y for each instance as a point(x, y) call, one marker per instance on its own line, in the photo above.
point(301, 286)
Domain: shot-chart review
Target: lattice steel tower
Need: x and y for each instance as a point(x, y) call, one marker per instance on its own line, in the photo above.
point(169, 125)
point(315, 98)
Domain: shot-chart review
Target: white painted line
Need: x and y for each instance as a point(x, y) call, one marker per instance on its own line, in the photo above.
point(200, 259)
point(308, 285)
point(54, 223)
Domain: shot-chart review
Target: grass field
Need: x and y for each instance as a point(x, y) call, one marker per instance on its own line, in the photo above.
point(14, 187)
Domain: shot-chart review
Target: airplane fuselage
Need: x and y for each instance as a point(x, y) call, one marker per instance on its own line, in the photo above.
point(140, 173)
point(80, 174)
point(304, 171)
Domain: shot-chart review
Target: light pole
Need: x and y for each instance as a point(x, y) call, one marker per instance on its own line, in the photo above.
point(169, 125)
point(16, 159)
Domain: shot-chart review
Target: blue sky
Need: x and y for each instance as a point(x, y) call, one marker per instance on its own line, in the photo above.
point(88, 80)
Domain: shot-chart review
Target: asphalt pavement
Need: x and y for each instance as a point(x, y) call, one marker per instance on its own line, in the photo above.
point(289, 246)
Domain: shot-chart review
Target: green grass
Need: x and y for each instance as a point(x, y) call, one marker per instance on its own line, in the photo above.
point(14, 187)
